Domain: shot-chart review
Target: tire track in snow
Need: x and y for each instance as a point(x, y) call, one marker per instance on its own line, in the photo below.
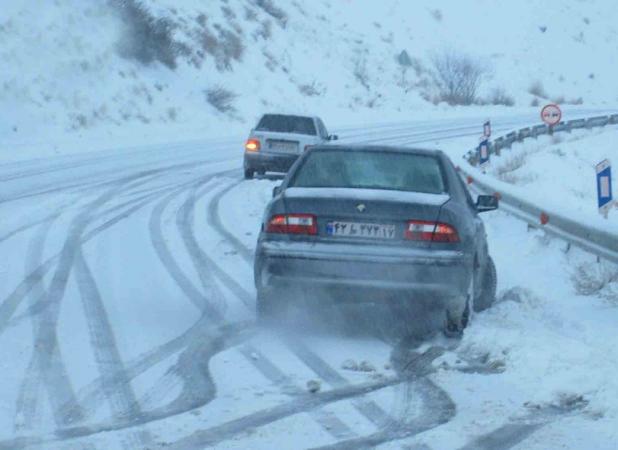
point(326, 419)
point(13, 300)
point(505, 437)
point(438, 407)
point(27, 415)
point(308, 402)
point(203, 264)
point(92, 396)
point(215, 220)
point(120, 396)
point(368, 409)
point(511, 434)
point(46, 366)
point(219, 339)
point(9, 306)
point(201, 260)
point(302, 404)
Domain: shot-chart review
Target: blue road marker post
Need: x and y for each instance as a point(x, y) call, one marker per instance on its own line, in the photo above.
point(604, 187)
point(483, 153)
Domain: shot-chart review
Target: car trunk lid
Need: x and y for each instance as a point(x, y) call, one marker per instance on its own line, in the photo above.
point(364, 215)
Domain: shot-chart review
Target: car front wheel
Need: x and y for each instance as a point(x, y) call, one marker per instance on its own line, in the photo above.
point(249, 174)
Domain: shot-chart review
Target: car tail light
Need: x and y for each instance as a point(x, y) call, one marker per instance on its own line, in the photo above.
point(421, 230)
point(252, 145)
point(293, 224)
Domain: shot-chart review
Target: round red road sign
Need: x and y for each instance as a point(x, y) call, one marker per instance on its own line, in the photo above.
point(551, 114)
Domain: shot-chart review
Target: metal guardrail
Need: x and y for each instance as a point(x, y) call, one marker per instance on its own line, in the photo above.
point(594, 240)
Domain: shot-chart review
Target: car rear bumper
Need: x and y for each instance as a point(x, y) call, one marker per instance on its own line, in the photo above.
point(437, 274)
point(264, 161)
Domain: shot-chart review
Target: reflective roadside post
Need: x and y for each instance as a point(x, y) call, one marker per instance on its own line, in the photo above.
point(487, 129)
point(604, 187)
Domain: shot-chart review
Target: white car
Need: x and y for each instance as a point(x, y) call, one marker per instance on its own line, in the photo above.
point(279, 139)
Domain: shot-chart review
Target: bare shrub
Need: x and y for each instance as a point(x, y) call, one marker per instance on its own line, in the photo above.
point(373, 102)
point(271, 62)
point(405, 62)
point(535, 102)
point(436, 14)
point(228, 12)
point(145, 38)
point(310, 90)
point(221, 99)
point(225, 48)
point(404, 59)
point(360, 72)
point(559, 100)
point(264, 31)
point(505, 171)
point(250, 14)
point(498, 96)
point(277, 13)
point(457, 77)
point(201, 19)
point(600, 280)
point(79, 121)
point(231, 45)
point(536, 88)
point(562, 100)
point(172, 114)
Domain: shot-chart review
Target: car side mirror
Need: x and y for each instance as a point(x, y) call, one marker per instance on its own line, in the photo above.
point(333, 137)
point(486, 203)
point(276, 190)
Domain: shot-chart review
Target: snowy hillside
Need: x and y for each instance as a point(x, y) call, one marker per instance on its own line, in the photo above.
point(130, 70)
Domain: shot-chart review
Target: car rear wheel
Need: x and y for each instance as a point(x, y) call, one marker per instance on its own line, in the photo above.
point(487, 292)
point(455, 323)
point(249, 174)
point(457, 319)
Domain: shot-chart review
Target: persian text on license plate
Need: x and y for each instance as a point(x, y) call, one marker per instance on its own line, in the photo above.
point(355, 229)
point(283, 146)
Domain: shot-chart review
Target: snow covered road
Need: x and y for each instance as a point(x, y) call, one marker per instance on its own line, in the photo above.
point(127, 321)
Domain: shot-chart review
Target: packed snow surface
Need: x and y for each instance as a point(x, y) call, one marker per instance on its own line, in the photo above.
point(127, 321)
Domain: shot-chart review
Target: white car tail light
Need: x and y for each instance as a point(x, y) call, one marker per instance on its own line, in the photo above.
point(293, 224)
point(421, 230)
point(252, 145)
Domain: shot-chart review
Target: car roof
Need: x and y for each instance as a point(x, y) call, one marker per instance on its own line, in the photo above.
point(375, 148)
point(291, 115)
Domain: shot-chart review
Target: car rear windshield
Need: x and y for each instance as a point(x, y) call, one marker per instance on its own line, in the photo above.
point(371, 170)
point(286, 124)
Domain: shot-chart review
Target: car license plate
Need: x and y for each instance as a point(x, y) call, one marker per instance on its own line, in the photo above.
point(282, 146)
point(355, 229)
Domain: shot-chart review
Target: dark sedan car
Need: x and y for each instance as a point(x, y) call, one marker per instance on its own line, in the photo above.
point(351, 223)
